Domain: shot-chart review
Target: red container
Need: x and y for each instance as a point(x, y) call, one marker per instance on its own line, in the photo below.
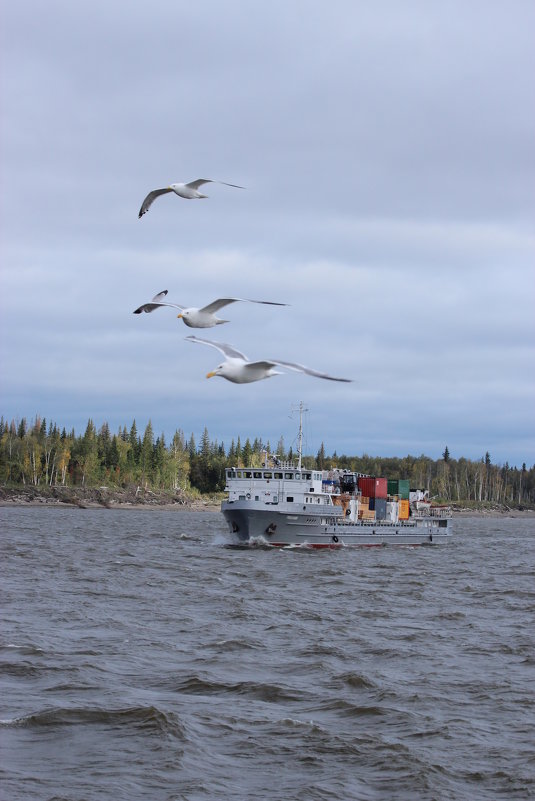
point(373, 487)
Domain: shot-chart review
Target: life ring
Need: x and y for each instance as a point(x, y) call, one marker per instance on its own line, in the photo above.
point(335, 538)
point(248, 496)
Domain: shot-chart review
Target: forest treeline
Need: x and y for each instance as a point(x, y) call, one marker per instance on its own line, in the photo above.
point(41, 454)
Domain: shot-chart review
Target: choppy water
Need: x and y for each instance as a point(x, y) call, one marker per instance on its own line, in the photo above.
point(142, 659)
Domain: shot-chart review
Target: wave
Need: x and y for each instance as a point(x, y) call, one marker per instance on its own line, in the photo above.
point(355, 680)
point(25, 650)
point(146, 718)
point(260, 691)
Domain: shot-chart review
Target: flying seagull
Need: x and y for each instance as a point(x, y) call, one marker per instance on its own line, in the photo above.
point(199, 318)
point(188, 191)
point(238, 369)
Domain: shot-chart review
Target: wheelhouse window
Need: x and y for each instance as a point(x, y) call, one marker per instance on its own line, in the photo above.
point(268, 475)
point(288, 475)
point(277, 475)
point(257, 475)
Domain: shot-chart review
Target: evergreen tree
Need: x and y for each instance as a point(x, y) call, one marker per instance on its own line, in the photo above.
point(192, 447)
point(247, 453)
point(145, 458)
point(87, 455)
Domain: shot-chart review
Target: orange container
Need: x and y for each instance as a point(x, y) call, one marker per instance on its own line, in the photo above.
point(403, 510)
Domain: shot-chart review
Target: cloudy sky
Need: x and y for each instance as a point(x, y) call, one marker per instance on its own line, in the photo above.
point(388, 153)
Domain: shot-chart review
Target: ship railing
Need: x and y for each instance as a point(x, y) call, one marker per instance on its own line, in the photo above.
point(433, 511)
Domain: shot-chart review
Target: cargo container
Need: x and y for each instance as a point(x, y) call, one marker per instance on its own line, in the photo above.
point(404, 486)
point(403, 510)
point(373, 487)
point(379, 506)
point(392, 486)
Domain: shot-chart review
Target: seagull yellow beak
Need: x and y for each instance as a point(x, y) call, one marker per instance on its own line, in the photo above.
point(211, 374)
point(179, 315)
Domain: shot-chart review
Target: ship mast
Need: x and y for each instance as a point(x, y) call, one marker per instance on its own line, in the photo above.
point(300, 435)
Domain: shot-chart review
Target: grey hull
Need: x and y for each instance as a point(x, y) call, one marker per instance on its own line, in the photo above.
point(285, 525)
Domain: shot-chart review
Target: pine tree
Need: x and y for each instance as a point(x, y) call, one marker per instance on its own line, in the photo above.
point(145, 457)
point(192, 448)
point(247, 452)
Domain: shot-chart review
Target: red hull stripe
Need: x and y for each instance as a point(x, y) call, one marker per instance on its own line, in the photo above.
point(341, 544)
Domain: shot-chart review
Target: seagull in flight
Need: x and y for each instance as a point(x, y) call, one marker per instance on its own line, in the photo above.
point(238, 369)
point(198, 318)
point(188, 191)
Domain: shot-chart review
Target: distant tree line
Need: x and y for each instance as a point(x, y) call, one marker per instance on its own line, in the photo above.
point(43, 454)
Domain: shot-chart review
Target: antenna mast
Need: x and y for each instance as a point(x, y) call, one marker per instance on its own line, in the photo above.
point(300, 435)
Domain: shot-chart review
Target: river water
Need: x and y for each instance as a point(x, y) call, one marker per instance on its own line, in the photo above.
point(141, 658)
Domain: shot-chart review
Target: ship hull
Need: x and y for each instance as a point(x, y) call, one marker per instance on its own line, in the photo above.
point(287, 525)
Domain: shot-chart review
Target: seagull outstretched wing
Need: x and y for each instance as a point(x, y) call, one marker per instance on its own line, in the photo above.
point(151, 197)
point(222, 347)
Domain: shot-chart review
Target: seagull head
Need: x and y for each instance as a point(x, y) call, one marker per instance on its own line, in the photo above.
point(234, 370)
point(190, 318)
point(220, 370)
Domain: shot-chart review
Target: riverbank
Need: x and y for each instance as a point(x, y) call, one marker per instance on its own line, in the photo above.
point(138, 498)
point(106, 498)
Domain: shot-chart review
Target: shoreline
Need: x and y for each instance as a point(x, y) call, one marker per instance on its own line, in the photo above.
point(194, 506)
point(104, 498)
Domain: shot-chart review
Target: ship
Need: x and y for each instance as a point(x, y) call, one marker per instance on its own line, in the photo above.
point(284, 504)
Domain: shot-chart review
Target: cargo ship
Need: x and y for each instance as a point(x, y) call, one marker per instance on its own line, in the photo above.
point(283, 504)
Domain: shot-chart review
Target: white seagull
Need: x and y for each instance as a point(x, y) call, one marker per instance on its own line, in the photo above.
point(199, 318)
point(188, 191)
point(238, 369)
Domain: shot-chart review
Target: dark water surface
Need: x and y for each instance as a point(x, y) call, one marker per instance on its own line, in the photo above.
point(142, 659)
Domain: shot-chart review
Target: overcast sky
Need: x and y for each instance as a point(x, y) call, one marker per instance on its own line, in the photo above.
point(388, 153)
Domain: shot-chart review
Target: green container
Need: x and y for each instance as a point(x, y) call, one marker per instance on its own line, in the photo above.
point(404, 486)
point(392, 486)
